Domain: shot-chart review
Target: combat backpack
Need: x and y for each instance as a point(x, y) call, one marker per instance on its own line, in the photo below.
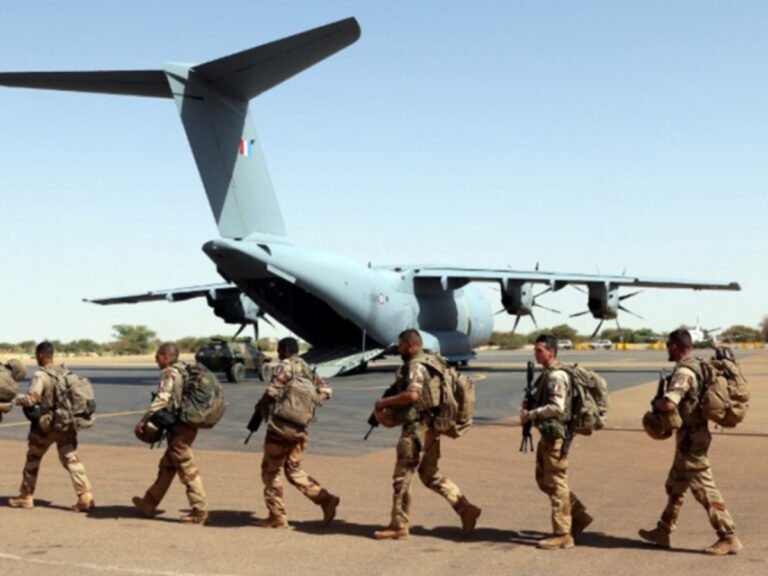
point(8, 384)
point(453, 404)
point(589, 399)
point(724, 392)
point(74, 403)
point(294, 410)
point(201, 403)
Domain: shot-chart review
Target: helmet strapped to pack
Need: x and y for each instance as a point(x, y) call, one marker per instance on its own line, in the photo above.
point(18, 371)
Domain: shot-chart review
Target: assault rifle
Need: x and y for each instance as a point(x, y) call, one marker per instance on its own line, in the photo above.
point(527, 442)
point(372, 422)
point(255, 422)
point(661, 388)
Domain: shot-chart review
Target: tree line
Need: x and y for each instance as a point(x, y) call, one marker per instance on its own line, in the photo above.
point(127, 340)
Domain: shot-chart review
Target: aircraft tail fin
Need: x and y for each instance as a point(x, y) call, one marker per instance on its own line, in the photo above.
point(212, 99)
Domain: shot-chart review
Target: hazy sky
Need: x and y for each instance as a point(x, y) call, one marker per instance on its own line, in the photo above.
point(587, 136)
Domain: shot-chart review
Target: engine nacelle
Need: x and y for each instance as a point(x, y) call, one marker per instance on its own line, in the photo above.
point(517, 298)
point(233, 306)
point(603, 301)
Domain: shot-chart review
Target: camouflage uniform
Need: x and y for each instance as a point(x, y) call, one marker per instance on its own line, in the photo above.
point(418, 448)
point(552, 407)
point(691, 468)
point(178, 457)
point(282, 454)
point(41, 391)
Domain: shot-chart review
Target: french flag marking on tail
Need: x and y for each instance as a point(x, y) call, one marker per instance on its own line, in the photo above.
point(246, 147)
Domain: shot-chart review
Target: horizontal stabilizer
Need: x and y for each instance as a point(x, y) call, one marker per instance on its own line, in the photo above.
point(125, 83)
point(247, 74)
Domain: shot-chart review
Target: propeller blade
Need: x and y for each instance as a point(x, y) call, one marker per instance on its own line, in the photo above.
point(549, 309)
point(579, 288)
point(600, 325)
point(579, 314)
point(534, 321)
point(629, 295)
point(630, 312)
point(542, 292)
point(500, 311)
point(517, 321)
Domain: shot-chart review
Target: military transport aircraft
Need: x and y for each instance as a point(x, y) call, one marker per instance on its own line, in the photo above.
point(349, 312)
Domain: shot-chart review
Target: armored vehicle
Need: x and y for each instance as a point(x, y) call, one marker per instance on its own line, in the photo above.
point(235, 359)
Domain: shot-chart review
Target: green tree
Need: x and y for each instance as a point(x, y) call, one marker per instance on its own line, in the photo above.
point(740, 333)
point(132, 339)
point(646, 335)
point(507, 340)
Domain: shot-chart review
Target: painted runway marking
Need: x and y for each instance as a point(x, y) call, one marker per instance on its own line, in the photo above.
point(100, 567)
point(98, 417)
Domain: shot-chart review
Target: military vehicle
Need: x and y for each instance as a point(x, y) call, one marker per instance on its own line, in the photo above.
point(235, 359)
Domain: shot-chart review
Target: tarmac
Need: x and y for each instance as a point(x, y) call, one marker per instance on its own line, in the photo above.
point(619, 473)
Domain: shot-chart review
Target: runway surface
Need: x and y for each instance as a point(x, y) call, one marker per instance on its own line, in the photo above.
point(122, 394)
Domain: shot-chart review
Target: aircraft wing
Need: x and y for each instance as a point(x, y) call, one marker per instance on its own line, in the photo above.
point(452, 278)
point(170, 295)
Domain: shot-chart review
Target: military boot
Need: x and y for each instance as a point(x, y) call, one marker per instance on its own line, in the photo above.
point(274, 522)
point(580, 523)
point(658, 536)
point(84, 502)
point(329, 509)
point(729, 544)
point(556, 542)
point(145, 507)
point(23, 501)
point(469, 516)
point(196, 516)
point(391, 533)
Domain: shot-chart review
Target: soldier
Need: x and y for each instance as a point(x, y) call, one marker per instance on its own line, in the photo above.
point(285, 443)
point(178, 457)
point(419, 444)
point(39, 400)
point(690, 467)
point(550, 414)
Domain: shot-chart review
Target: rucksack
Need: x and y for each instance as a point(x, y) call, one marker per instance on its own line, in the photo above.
point(589, 400)
point(453, 411)
point(201, 403)
point(74, 404)
point(8, 385)
point(298, 400)
point(724, 394)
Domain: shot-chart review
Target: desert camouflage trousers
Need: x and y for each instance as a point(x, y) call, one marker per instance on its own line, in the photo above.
point(691, 469)
point(552, 479)
point(66, 443)
point(286, 455)
point(179, 459)
point(419, 450)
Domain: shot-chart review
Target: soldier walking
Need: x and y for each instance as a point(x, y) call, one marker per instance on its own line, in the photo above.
point(551, 414)
point(287, 436)
point(418, 449)
point(178, 458)
point(690, 467)
point(39, 402)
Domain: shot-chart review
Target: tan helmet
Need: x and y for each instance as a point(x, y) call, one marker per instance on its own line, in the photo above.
point(18, 372)
point(660, 425)
point(149, 433)
point(385, 417)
